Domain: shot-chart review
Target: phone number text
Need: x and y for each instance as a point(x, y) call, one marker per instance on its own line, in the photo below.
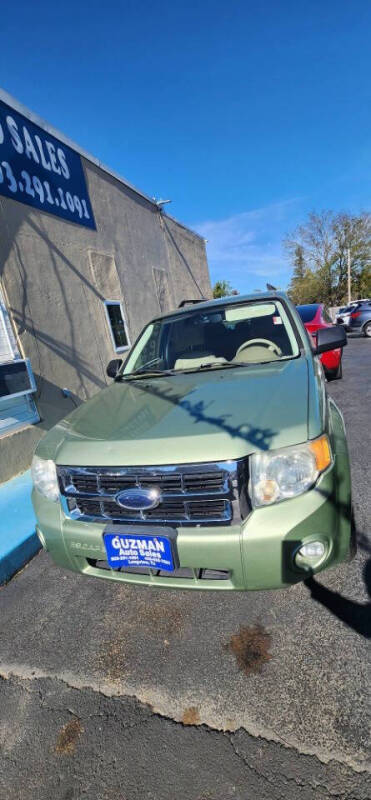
point(34, 187)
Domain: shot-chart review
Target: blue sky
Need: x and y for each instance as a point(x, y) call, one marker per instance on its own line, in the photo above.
point(245, 114)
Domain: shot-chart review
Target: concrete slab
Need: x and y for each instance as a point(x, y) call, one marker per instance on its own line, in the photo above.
point(18, 540)
point(68, 744)
point(169, 650)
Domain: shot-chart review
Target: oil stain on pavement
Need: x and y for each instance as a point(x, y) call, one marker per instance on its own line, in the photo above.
point(250, 647)
point(68, 736)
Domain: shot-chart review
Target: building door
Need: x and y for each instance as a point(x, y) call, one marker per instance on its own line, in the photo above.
point(15, 412)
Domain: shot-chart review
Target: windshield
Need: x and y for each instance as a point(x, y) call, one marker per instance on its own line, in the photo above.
point(230, 336)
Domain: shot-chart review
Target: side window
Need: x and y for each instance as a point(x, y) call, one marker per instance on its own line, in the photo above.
point(117, 325)
point(148, 349)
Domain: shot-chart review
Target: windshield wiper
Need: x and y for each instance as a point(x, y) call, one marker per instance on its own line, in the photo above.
point(223, 365)
point(220, 365)
point(145, 373)
point(159, 373)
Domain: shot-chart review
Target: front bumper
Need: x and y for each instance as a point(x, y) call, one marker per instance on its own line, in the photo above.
point(258, 553)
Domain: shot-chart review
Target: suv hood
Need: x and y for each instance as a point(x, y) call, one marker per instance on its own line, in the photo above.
point(204, 416)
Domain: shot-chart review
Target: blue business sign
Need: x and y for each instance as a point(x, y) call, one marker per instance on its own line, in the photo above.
point(41, 171)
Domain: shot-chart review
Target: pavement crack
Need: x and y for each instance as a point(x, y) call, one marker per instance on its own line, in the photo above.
point(251, 768)
point(320, 789)
point(106, 690)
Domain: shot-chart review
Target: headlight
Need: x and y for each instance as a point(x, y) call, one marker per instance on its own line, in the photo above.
point(44, 476)
point(279, 474)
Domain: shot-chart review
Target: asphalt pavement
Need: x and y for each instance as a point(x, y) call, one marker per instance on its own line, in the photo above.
point(113, 691)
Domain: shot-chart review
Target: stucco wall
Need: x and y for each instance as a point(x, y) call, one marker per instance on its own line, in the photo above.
point(56, 275)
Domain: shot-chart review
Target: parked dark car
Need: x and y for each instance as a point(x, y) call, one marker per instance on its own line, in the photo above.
point(360, 319)
point(343, 315)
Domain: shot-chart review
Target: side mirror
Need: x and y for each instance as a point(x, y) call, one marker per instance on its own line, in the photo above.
point(113, 367)
point(330, 338)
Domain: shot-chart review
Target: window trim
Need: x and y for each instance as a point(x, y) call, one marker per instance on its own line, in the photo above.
point(117, 303)
point(6, 324)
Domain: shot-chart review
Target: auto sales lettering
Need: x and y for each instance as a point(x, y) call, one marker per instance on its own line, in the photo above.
point(142, 551)
point(39, 170)
point(133, 545)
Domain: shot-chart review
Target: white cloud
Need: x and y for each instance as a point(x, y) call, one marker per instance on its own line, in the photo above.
point(246, 249)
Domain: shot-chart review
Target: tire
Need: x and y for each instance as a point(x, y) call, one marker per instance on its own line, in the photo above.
point(353, 539)
point(337, 374)
point(367, 330)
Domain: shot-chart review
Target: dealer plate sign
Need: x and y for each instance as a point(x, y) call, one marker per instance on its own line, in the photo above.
point(39, 170)
point(139, 550)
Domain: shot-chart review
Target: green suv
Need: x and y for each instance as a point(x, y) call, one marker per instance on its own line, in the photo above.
point(214, 460)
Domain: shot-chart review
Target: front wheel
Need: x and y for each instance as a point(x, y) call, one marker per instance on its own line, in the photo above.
point(367, 330)
point(353, 538)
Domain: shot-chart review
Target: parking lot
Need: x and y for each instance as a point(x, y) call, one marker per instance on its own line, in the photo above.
point(118, 692)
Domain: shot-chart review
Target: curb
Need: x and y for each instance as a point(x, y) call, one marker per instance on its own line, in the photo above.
point(18, 540)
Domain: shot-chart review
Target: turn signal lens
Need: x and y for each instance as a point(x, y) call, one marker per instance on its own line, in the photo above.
point(321, 450)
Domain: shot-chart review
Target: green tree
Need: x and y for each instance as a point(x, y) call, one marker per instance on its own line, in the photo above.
point(353, 234)
point(299, 263)
point(304, 284)
point(222, 289)
point(318, 251)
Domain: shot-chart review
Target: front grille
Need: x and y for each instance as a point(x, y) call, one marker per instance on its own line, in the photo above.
point(85, 485)
point(168, 511)
point(111, 482)
point(189, 573)
point(190, 494)
point(115, 483)
point(204, 482)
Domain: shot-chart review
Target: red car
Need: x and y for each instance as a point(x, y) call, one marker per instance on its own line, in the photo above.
point(315, 316)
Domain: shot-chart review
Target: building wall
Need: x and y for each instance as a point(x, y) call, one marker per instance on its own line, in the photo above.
point(56, 275)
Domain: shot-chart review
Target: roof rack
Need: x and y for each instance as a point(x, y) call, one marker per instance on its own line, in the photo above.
point(191, 302)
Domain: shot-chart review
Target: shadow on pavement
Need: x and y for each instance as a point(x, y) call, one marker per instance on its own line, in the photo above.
point(356, 615)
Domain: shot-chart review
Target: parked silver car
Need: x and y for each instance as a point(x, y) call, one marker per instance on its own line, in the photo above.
point(343, 315)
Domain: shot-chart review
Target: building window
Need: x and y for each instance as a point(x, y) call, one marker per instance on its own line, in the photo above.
point(117, 325)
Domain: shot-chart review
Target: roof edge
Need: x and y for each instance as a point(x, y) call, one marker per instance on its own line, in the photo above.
point(228, 300)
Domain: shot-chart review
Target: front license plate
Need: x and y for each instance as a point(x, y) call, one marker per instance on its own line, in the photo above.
point(126, 549)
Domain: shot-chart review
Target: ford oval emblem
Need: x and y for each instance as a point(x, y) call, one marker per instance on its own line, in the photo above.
point(137, 499)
